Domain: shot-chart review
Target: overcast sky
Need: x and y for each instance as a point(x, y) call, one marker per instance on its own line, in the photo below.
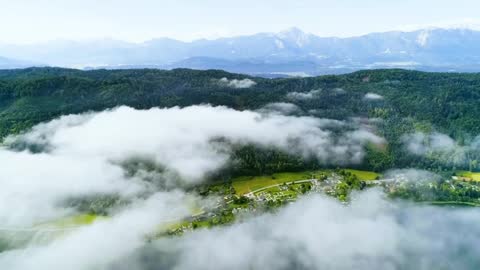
point(28, 21)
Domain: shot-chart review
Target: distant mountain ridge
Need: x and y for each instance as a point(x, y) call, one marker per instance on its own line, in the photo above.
point(8, 63)
point(288, 52)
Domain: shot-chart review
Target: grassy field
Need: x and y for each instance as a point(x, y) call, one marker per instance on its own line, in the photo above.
point(72, 221)
point(474, 176)
point(364, 175)
point(246, 184)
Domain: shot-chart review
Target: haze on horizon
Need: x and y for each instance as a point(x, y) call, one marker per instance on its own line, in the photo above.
point(28, 21)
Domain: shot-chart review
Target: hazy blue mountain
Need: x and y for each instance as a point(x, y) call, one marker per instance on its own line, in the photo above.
point(8, 63)
point(289, 52)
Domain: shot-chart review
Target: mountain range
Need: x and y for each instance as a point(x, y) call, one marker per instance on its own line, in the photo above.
point(8, 63)
point(288, 53)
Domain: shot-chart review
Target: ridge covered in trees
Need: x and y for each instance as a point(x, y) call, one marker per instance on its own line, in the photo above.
point(406, 102)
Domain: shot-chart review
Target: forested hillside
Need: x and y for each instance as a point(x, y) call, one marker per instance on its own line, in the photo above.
point(401, 101)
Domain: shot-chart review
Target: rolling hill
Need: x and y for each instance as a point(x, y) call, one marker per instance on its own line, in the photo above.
point(391, 102)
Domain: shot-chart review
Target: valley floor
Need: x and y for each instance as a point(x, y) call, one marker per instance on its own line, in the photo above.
point(251, 195)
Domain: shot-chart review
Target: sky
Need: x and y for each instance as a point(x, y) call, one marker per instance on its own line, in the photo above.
point(32, 21)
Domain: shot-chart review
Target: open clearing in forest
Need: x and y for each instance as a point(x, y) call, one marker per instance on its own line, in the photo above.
point(70, 222)
point(246, 184)
point(473, 176)
point(364, 175)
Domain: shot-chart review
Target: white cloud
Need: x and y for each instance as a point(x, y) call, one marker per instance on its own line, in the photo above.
point(442, 147)
point(81, 153)
point(33, 185)
point(279, 44)
point(420, 143)
point(320, 233)
point(317, 232)
point(373, 96)
point(475, 145)
point(423, 37)
point(410, 175)
point(303, 95)
point(98, 245)
point(235, 83)
point(284, 108)
point(339, 91)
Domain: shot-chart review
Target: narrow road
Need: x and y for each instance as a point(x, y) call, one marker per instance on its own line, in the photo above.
point(276, 185)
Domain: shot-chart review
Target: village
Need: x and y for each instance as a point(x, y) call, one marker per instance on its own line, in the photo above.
point(233, 205)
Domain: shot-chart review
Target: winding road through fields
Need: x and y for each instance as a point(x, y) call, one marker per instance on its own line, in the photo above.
point(277, 185)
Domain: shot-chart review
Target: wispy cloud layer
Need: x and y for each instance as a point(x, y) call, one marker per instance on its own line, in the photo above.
point(320, 233)
point(83, 154)
point(372, 96)
point(303, 95)
point(235, 83)
point(441, 146)
point(87, 154)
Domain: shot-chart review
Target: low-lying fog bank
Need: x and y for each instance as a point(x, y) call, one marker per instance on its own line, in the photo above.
point(315, 233)
point(78, 155)
point(81, 155)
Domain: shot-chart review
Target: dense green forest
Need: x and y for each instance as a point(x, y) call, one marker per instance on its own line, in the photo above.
point(411, 101)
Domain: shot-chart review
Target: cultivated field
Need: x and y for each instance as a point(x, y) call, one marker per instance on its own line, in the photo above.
point(246, 184)
point(473, 176)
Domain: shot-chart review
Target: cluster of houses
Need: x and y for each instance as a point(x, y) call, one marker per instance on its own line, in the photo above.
point(326, 185)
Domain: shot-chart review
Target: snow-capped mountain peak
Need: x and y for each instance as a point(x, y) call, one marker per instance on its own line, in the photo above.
point(295, 35)
point(422, 38)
